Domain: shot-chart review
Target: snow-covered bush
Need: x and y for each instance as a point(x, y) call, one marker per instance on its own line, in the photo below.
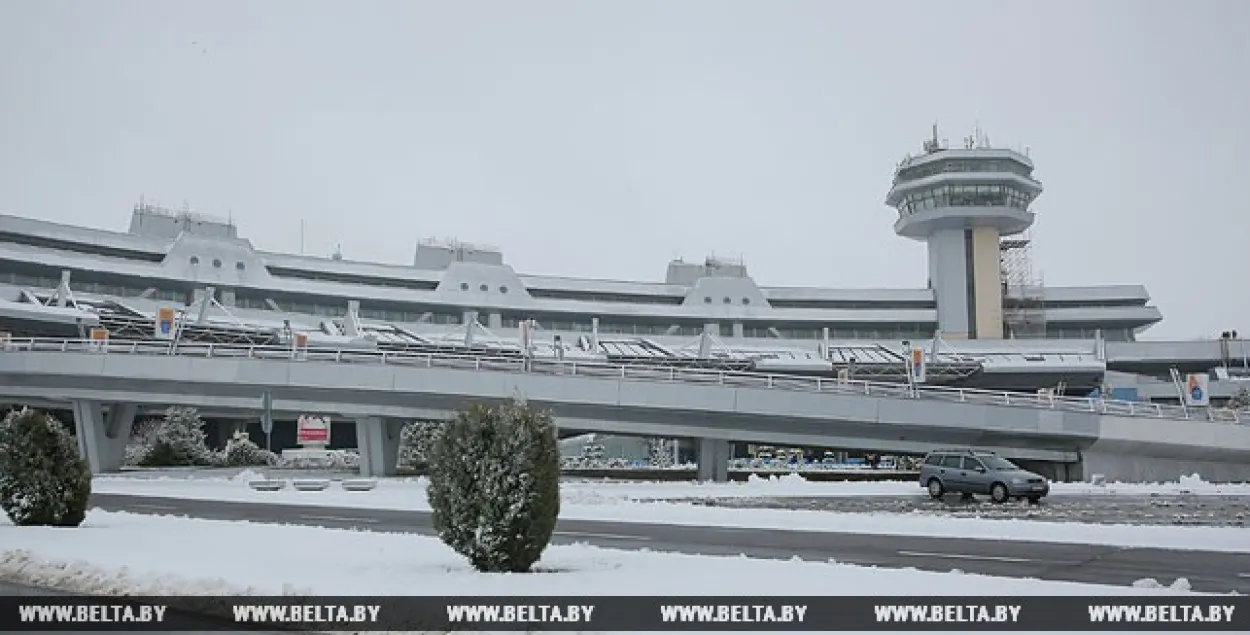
point(660, 451)
point(140, 442)
point(241, 451)
point(43, 480)
point(416, 442)
point(178, 440)
point(1241, 399)
point(345, 460)
point(495, 485)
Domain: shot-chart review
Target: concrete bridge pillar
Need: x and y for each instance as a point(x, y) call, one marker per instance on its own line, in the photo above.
point(377, 439)
point(102, 438)
point(713, 460)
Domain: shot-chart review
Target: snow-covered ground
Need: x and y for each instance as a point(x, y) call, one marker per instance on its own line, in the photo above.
point(617, 502)
point(120, 553)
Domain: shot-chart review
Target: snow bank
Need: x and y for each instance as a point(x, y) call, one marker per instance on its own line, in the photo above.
point(1181, 584)
point(248, 475)
point(25, 567)
point(119, 553)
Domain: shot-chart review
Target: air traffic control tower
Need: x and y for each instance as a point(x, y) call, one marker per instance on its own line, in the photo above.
point(962, 202)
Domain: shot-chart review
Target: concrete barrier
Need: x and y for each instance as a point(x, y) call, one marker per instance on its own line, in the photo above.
point(311, 485)
point(358, 485)
point(266, 485)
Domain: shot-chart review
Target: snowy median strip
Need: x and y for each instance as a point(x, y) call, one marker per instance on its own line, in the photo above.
point(601, 502)
point(132, 554)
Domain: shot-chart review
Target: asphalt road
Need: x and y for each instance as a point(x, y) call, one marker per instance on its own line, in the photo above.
point(1207, 571)
point(1158, 509)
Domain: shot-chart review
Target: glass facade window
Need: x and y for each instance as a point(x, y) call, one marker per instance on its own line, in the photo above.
point(962, 165)
point(34, 281)
point(851, 304)
point(248, 302)
point(588, 296)
point(344, 278)
point(327, 307)
point(1094, 304)
point(608, 325)
point(965, 196)
point(82, 282)
point(841, 331)
point(81, 248)
point(409, 316)
point(1087, 333)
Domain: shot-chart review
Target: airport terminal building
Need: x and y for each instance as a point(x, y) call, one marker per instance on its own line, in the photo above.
point(983, 321)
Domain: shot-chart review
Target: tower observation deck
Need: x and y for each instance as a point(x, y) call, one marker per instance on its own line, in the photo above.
point(961, 202)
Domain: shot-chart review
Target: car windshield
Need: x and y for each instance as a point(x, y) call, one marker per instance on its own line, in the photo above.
point(998, 464)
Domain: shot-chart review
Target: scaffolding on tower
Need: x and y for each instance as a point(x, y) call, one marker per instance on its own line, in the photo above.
point(1024, 311)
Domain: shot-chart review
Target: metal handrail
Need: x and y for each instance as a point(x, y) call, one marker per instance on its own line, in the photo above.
point(746, 379)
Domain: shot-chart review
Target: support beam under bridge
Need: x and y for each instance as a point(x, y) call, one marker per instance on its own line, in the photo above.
point(377, 440)
point(712, 456)
point(102, 436)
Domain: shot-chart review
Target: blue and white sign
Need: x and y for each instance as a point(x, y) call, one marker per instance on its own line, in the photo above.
point(165, 324)
point(1196, 389)
point(917, 365)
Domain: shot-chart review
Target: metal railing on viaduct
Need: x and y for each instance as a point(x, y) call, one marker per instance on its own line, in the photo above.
point(637, 372)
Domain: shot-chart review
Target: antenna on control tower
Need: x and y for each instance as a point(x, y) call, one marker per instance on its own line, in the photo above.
point(933, 144)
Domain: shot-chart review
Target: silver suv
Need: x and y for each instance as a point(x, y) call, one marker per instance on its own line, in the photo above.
point(970, 472)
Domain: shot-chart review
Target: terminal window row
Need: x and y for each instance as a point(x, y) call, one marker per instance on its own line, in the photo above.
point(93, 288)
point(1085, 333)
point(81, 248)
point(346, 278)
point(590, 296)
point(411, 315)
point(609, 327)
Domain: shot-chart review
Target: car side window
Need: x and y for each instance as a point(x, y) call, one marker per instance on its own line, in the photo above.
point(933, 459)
point(951, 461)
point(973, 464)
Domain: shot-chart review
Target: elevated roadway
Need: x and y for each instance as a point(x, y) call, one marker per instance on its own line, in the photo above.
point(1156, 357)
point(1064, 437)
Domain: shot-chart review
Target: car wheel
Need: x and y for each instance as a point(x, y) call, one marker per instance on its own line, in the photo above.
point(999, 494)
point(935, 488)
point(1035, 500)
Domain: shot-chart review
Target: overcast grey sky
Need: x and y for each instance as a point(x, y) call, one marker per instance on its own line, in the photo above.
point(601, 139)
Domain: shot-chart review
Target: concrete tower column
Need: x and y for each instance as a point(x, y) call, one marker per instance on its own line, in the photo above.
point(987, 285)
point(948, 274)
point(964, 272)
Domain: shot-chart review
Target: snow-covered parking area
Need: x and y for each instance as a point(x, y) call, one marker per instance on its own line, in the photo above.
point(121, 553)
point(618, 502)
